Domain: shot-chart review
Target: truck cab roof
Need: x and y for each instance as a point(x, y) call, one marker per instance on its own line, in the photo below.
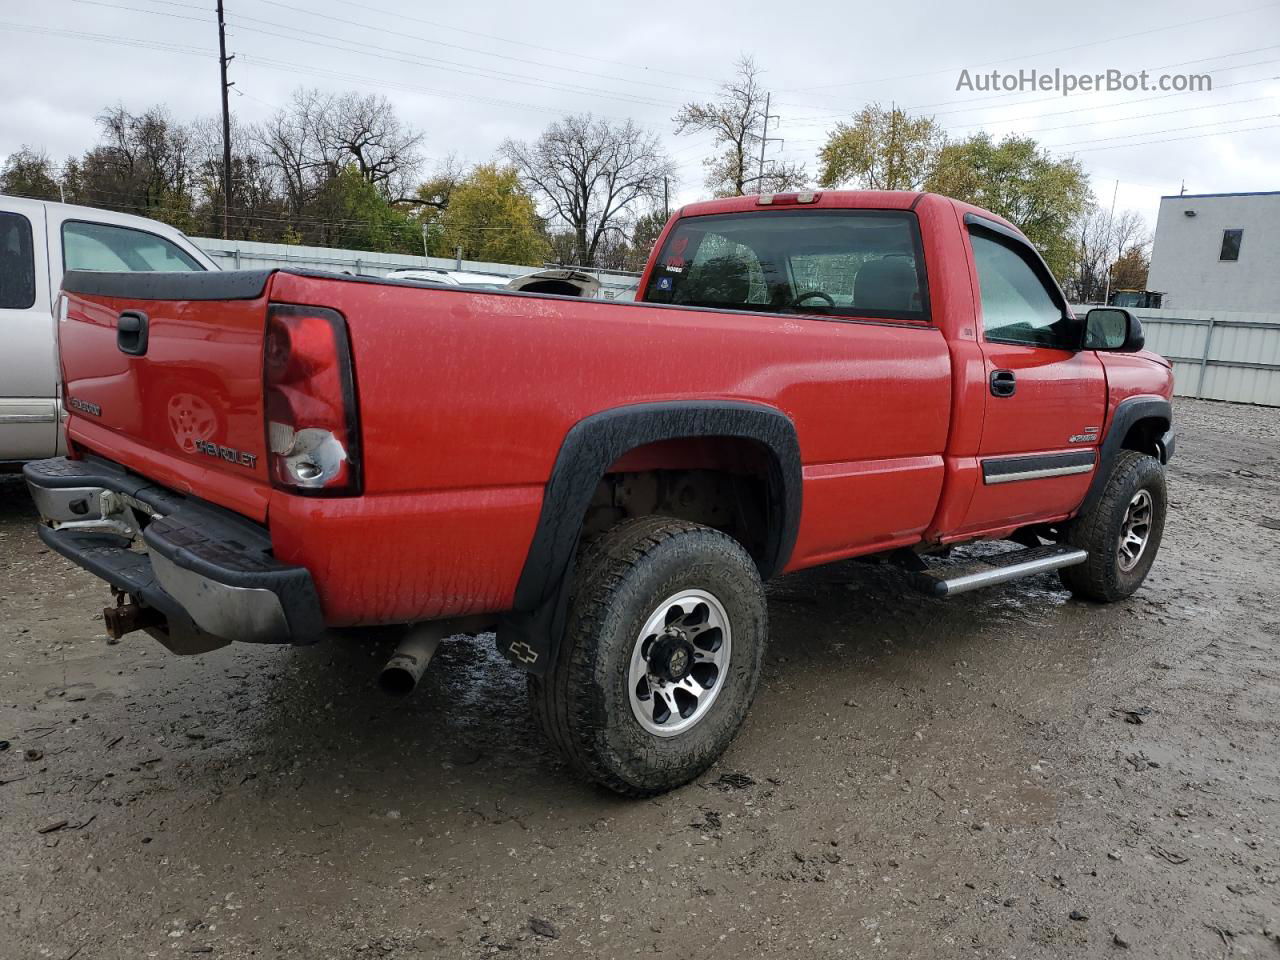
point(833, 200)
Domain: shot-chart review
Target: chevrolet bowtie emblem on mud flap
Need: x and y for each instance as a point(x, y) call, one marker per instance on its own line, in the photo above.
point(523, 652)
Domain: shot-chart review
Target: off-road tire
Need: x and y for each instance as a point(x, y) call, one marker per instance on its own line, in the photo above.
point(1098, 529)
point(582, 704)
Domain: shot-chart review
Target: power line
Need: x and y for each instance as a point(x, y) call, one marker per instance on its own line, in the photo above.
point(293, 68)
point(1095, 122)
point(1123, 103)
point(380, 52)
point(269, 63)
point(1146, 116)
point(1201, 136)
point(523, 43)
point(1039, 53)
point(805, 120)
point(483, 53)
point(438, 24)
point(153, 13)
point(1194, 126)
point(814, 121)
point(160, 45)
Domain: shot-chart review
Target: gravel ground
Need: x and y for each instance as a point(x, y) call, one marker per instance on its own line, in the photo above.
point(1007, 773)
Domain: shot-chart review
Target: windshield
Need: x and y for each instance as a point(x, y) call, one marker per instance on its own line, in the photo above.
point(845, 263)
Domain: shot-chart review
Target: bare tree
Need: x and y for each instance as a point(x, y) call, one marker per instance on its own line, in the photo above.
point(318, 134)
point(288, 139)
point(1102, 240)
point(365, 130)
point(144, 164)
point(257, 207)
point(591, 175)
point(737, 121)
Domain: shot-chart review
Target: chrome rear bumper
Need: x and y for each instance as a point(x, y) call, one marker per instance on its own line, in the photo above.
point(209, 572)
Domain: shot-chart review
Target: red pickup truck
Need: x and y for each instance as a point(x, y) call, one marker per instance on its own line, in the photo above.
point(804, 378)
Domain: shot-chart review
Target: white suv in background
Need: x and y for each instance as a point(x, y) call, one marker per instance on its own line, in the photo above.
point(40, 240)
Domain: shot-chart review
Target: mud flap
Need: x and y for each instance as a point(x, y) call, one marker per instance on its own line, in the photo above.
point(531, 640)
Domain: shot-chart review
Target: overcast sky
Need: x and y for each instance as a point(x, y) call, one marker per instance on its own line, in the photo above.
point(469, 75)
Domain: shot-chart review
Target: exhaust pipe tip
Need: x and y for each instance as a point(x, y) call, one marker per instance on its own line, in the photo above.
point(407, 665)
point(401, 675)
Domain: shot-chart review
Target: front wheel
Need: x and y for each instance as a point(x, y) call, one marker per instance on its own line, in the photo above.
point(661, 655)
point(1121, 531)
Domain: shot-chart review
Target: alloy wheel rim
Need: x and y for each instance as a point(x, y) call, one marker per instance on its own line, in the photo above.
point(1135, 531)
point(679, 662)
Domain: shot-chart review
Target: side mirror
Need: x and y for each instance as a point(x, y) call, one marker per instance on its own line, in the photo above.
point(1113, 328)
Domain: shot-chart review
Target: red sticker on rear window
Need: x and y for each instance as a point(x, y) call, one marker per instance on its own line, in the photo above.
point(675, 257)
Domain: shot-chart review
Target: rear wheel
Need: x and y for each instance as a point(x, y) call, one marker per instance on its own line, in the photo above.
point(1121, 531)
point(661, 655)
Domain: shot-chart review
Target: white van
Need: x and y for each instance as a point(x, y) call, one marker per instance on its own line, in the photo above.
point(38, 241)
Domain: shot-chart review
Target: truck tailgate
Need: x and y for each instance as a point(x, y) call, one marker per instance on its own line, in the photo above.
point(163, 373)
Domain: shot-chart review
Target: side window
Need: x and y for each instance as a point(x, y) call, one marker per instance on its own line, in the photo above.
point(17, 263)
point(1017, 306)
point(101, 246)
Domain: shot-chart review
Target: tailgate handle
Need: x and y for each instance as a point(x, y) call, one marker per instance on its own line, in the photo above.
point(131, 332)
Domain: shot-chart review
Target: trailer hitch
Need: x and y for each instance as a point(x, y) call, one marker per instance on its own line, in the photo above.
point(127, 616)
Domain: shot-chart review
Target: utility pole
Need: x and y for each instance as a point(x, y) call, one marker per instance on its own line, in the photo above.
point(891, 181)
point(1106, 294)
point(666, 199)
point(764, 140)
point(223, 60)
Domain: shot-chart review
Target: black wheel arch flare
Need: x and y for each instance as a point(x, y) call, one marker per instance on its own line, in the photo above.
point(1129, 412)
point(529, 636)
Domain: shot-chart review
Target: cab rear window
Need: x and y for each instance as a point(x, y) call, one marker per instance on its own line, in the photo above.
point(842, 263)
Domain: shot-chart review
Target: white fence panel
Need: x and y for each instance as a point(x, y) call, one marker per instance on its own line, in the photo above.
point(1235, 359)
point(1175, 339)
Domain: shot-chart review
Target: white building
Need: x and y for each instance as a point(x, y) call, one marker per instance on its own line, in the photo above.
point(1218, 251)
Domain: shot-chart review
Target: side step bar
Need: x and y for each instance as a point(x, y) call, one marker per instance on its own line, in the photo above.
point(947, 581)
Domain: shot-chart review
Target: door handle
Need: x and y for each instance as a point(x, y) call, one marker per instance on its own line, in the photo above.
point(131, 332)
point(1003, 383)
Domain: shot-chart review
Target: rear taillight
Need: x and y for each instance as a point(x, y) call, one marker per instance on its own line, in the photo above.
point(313, 435)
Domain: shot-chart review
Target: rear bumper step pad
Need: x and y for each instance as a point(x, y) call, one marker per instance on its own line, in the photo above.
point(209, 571)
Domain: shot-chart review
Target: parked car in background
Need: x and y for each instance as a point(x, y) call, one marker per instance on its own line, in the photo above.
point(451, 278)
point(1141, 299)
point(564, 282)
point(40, 240)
